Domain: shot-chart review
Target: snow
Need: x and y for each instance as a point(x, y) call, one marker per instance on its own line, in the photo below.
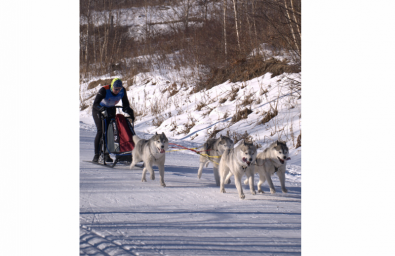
point(152, 91)
point(347, 194)
point(120, 215)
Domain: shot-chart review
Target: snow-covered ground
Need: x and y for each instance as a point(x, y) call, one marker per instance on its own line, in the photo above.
point(120, 215)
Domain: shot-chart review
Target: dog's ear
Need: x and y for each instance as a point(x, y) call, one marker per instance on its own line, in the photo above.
point(220, 136)
point(156, 133)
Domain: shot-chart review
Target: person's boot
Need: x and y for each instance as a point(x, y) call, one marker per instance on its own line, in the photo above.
point(95, 158)
point(107, 158)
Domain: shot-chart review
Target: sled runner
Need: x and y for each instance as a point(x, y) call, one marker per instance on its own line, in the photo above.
point(117, 138)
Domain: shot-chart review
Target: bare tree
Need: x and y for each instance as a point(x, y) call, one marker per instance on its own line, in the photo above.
point(237, 30)
point(290, 21)
point(226, 53)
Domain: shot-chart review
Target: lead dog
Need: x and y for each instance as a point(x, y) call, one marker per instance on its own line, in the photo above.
point(151, 152)
point(272, 160)
point(212, 152)
point(238, 161)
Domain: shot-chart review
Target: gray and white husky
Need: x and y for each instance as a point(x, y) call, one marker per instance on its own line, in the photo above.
point(212, 152)
point(272, 160)
point(237, 162)
point(151, 152)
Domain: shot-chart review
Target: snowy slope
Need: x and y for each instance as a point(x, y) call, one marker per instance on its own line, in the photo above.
point(150, 98)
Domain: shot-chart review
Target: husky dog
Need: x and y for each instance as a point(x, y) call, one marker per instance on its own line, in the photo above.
point(272, 160)
point(238, 162)
point(151, 152)
point(212, 151)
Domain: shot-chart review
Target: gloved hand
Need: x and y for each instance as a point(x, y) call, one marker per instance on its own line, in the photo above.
point(130, 112)
point(101, 109)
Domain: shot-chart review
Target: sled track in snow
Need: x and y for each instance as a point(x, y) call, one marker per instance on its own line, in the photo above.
point(94, 243)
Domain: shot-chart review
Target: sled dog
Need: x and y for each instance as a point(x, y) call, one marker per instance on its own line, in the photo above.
point(212, 151)
point(237, 162)
point(272, 160)
point(151, 152)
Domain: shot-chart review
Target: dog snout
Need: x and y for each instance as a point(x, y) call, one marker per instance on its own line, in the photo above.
point(163, 146)
point(285, 157)
point(250, 159)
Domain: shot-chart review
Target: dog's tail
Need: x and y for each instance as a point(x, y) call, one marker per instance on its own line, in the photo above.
point(136, 139)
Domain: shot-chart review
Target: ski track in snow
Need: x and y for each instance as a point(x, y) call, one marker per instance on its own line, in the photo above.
point(120, 215)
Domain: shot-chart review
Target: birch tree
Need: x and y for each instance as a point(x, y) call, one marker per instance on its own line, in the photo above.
point(237, 30)
point(226, 53)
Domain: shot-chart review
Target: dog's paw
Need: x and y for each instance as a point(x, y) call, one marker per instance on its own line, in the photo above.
point(272, 190)
point(152, 176)
point(242, 196)
point(261, 191)
point(143, 180)
point(253, 192)
point(223, 190)
point(163, 184)
point(285, 190)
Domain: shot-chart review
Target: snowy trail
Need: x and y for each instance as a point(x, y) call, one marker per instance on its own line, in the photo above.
point(120, 215)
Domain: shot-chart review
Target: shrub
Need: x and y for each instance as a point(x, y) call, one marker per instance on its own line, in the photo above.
point(213, 133)
point(242, 114)
point(299, 141)
point(200, 106)
point(269, 116)
point(236, 137)
point(158, 120)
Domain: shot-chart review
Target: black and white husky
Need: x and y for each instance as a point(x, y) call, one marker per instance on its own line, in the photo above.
point(272, 160)
point(151, 152)
point(237, 162)
point(212, 152)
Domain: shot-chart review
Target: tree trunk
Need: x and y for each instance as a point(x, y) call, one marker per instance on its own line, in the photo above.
point(292, 30)
point(249, 27)
point(256, 34)
point(87, 38)
point(205, 14)
point(237, 30)
point(187, 17)
point(296, 21)
point(226, 53)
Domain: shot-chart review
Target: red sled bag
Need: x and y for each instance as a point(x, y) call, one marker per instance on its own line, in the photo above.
point(126, 133)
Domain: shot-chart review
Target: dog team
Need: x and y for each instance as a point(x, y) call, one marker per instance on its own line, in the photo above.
point(227, 160)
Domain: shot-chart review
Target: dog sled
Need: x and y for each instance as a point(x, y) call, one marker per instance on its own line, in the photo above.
point(117, 139)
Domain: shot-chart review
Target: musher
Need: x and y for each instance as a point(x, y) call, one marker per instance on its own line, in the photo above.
point(107, 97)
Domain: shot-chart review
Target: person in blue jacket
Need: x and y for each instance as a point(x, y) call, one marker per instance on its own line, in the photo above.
point(106, 99)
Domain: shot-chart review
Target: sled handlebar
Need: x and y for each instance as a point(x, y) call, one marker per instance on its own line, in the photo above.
point(104, 113)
